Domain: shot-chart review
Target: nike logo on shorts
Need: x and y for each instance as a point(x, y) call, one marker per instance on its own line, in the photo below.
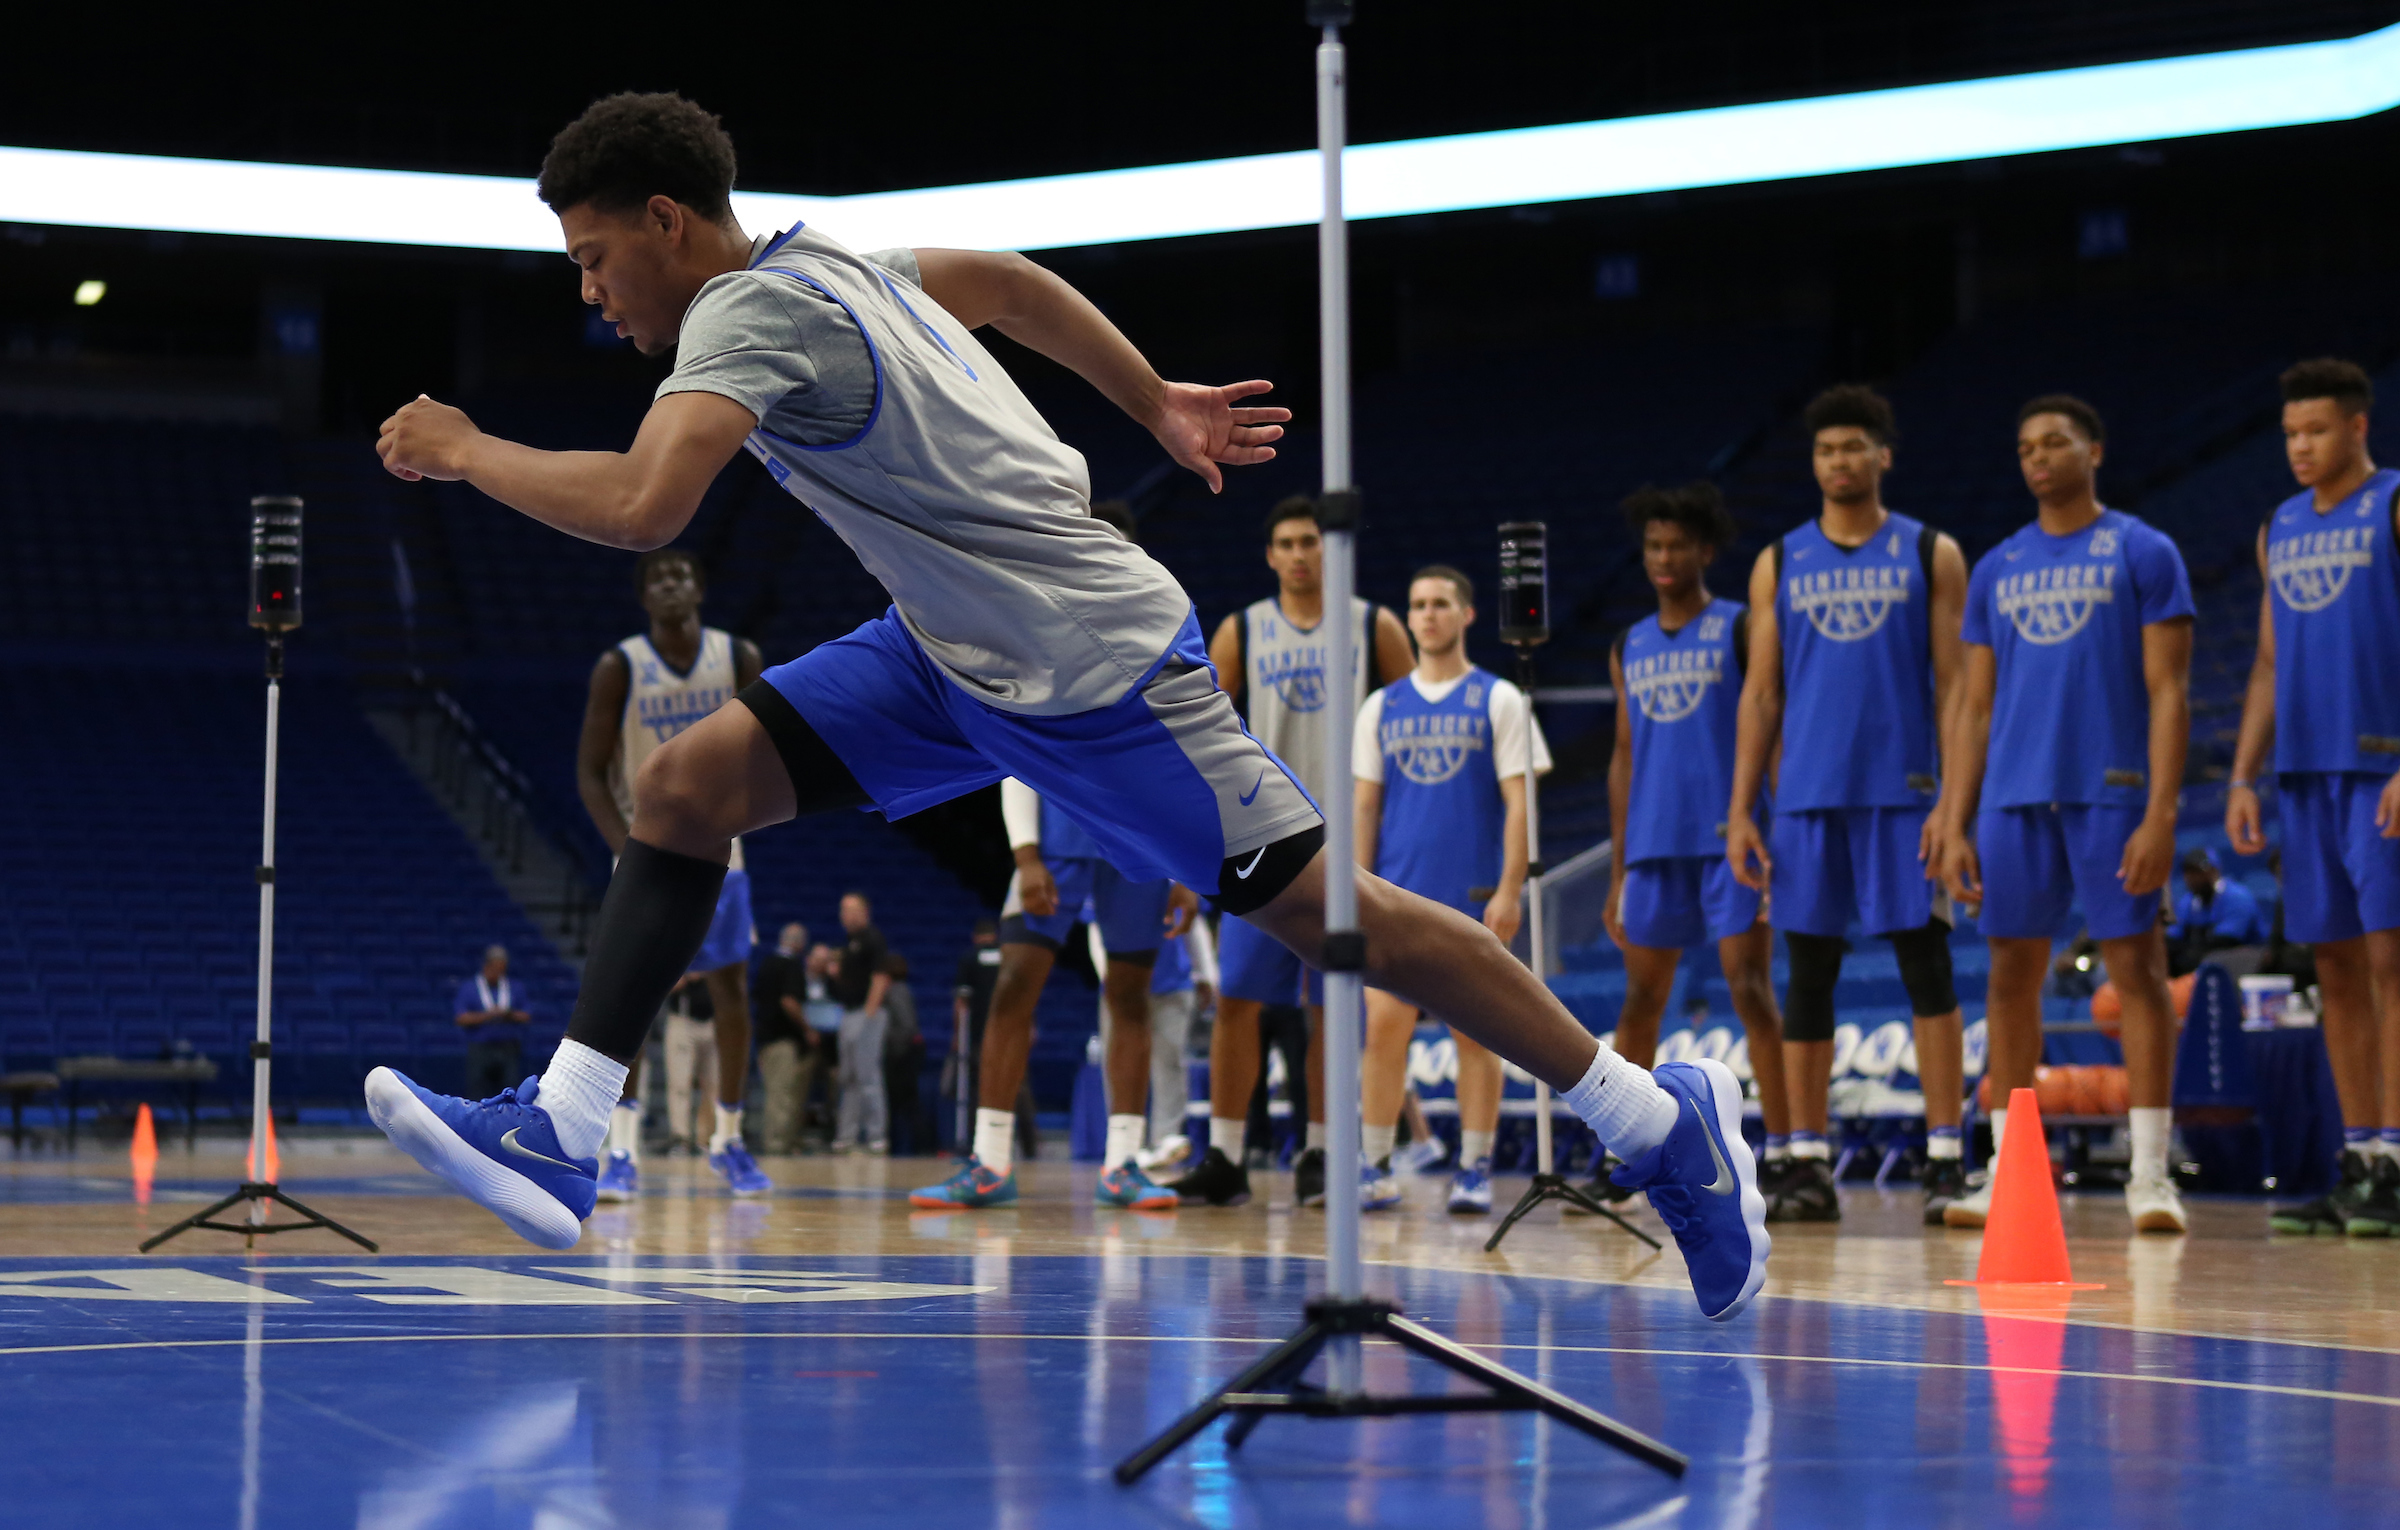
point(1721, 1185)
point(1244, 871)
point(508, 1140)
point(1251, 795)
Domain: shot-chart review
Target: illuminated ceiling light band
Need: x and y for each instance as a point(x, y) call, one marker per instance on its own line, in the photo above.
point(2234, 92)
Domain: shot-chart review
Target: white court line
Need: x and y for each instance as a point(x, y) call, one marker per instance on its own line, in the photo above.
point(2263, 1388)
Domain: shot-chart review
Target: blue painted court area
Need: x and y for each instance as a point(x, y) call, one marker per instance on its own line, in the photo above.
point(924, 1391)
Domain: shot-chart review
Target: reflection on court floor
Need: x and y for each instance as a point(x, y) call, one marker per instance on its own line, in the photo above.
point(976, 1389)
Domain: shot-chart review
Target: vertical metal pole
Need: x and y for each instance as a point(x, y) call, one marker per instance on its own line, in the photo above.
point(1343, 994)
point(259, 1064)
point(1537, 943)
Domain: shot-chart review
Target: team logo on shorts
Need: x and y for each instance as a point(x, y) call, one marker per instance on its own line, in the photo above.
point(1669, 687)
point(1430, 748)
point(2312, 568)
point(1296, 676)
point(1848, 604)
point(2051, 605)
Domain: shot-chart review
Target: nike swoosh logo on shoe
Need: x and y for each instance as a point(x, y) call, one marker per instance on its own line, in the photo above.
point(508, 1140)
point(1244, 871)
point(1721, 1185)
point(1251, 795)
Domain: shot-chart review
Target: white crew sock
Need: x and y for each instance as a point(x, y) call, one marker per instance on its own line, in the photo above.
point(625, 1129)
point(1623, 1104)
point(580, 1090)
point(1810, 1145)
point(996, 1139)
point(1225, 1135)
point(1375, 1142)
point(729, 1127)
point(1939, 1147)
point(1999, 1133)
point(1474, 1148)
point(1124, 1139)
point(2151, 1124)
point(1316, 1136)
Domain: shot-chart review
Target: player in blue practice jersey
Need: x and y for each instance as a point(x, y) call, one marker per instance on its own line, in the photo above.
point(2073, 710)
point(2325, 694)
point(643, 692)
point(1678, 676)
point(1024, 639)
point(1853, 647)
point(1439, 759)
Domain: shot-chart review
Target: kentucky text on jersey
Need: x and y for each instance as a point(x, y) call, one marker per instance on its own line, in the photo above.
point(2337, 628)
point(1669, 685)
point(2050, 605)
point(1297, 675)
point(2312, 569)
point(669, 714)
point(1431, 747)
point(1686, 687)
point(1847, 604)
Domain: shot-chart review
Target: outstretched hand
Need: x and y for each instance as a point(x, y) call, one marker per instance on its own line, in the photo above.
point(1201, 427)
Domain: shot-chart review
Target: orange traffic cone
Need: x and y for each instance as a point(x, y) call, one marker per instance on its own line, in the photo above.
point(145, 1154)
point(274, 1174)
point(2024, 1243)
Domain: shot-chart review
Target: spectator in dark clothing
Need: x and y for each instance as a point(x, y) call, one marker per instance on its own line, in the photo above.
point(904, 1062)
point(1283, 1028)
point(787, 1043)
point(491, 1015)
point(970, 1007)
point(859, 986)
point(2211, 914)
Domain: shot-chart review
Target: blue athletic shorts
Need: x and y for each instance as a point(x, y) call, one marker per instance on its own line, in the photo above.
point(1684, 900)
point(2341, 877)
point(1132, 916)
point(1167, 781)
point(1258, 967)
point(730, 935)
point(1834, 865)
point(2041, 863)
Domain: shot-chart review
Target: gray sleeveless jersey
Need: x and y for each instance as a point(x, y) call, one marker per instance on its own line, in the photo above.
point(1283, 684)
point(960, 499)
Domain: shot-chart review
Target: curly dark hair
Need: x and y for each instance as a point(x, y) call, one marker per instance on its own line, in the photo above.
point(658, 555)
point(2086, 418)
point(2345, 382)
point(1853, 404)
point(632, 146)
point(1697, 507)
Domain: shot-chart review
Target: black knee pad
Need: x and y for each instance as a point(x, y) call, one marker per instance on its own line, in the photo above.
point(1808, 994)
point(1925, 969)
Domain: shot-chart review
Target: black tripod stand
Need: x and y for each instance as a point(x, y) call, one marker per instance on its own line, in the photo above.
point(1522, 563)
point(274, 606)
point(1338, 1322)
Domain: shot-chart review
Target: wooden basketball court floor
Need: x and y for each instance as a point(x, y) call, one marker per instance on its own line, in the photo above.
point(831, 1357)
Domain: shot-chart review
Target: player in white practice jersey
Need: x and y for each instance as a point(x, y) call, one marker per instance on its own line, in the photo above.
point(1270, 658)
point(1025, 639)
point(644, 691)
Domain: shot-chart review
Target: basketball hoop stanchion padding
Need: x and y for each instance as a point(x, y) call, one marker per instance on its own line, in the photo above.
point(1525, 625)
point(275, 610)
point(1337, 1323)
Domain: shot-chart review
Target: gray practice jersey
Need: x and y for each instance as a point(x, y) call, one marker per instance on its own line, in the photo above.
point(1283, 684)
point(953, 491)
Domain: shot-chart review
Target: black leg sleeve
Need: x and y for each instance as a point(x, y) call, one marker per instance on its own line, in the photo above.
point(657, 912)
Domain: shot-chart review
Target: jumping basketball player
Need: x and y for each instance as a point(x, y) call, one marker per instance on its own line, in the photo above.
point(1853, 644)
point(1440, 764)
point(644, 691)
point(1270, 658)
point(1669, 778)
point(2077, 690)
point(2325, 694)
point(1025, 639)
point(1059, 867)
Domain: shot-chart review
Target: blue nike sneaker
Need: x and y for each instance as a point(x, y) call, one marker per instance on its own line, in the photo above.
point(972, 1186)
point(1703, 1183)
point(741, 1171)
point(1126, 1185)
point(620, 1178)
point(1378, 1187)
point(501, 1153)
point(1471, 1189)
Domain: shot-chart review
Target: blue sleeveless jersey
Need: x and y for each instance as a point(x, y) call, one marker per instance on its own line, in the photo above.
point(1686, 688)
point(2063, 617)
point(2336, 594)
point(1442, 813)
point(1856, 625)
